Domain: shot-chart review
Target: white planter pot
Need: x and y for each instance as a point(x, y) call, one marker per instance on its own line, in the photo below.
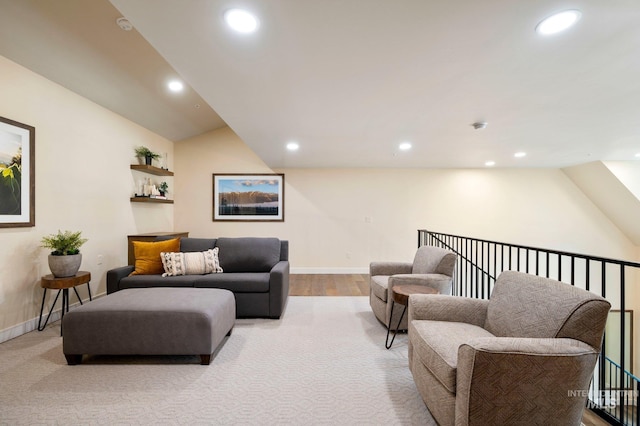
point(65, 266)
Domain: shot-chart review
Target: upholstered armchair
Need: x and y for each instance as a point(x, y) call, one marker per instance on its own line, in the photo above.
point(431, 266)
point(526, 356)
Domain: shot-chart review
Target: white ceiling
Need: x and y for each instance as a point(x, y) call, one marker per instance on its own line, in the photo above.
point(349, 80)
point(78, 44)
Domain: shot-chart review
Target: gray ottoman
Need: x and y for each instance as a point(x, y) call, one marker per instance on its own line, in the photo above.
point(150, 321)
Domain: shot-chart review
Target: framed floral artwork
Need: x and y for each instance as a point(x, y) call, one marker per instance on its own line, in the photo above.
point(17, 174)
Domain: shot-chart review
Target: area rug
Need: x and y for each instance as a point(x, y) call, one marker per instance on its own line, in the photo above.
point(323, 363)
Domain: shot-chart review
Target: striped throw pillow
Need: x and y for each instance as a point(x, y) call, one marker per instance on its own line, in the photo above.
point(196, 263)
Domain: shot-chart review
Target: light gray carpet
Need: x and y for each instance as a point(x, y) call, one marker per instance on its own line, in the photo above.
point(324, 362)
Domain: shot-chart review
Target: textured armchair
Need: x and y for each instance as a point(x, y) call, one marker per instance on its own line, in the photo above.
point(432, 267)
point(511, 360)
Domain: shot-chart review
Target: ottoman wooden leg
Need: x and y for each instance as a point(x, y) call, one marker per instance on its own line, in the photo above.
point(205, 359)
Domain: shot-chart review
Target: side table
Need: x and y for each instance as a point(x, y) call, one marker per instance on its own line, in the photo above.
point(400, 294)
point(62, 285)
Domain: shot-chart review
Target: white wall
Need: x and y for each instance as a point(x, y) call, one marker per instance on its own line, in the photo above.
point(83, 182)
point(628, 172)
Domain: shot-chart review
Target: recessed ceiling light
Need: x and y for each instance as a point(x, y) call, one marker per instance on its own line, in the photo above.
point(558, 22)
point(241, 21)
point(404, 146)
point(520, 154)
point(293, 146)
point(175, 86)
point(490, 163)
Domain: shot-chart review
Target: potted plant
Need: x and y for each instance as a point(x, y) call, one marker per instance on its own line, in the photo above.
point(147, 154)
point(65, 259)
point(163, 188)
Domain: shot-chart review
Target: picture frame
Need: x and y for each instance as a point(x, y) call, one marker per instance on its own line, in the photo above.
point(17, 174)
point(248, 197)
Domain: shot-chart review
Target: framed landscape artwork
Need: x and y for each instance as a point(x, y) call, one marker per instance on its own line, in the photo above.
point(248, 197)
point(17, 174)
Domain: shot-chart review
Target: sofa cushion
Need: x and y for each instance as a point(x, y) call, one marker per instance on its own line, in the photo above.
point(147, 255)
point(238, 282)
point(196, 244)
point(436, 344)
point(248, 254)
point(379, 286)
point(196, 263)
point(143, 281)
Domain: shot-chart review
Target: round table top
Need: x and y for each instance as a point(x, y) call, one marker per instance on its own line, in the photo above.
point(402, 292)
point(49, 281)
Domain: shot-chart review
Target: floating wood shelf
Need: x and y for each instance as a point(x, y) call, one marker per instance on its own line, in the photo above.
point(151, 170)
point(150, 200)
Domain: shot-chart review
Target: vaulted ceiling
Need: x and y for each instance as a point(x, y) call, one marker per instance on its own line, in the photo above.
point(350, 80)
point(77, 44)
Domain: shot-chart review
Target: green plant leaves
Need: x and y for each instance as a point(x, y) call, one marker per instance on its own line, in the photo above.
point(64, 243)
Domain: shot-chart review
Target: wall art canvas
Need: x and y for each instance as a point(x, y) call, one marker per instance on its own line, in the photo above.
point(248, 197)
point(17, 174)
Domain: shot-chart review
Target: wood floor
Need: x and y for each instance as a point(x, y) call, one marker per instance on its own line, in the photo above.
point(358, 285)
point(329, 285)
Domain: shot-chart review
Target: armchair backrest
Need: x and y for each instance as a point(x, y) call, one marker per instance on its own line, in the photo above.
point(434, 260)
point(524, 305)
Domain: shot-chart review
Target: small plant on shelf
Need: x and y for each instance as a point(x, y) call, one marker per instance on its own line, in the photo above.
point(163, 188)
point(147, 154)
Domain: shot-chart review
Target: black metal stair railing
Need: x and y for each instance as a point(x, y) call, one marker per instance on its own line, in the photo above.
point(625, 396)
point(481, 261)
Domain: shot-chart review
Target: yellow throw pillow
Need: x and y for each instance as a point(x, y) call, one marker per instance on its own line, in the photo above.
point(147, 255)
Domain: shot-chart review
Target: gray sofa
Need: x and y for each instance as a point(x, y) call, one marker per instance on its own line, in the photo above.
point(256, 270)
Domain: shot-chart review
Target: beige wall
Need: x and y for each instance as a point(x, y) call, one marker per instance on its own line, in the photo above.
point(83, 182)
point(341, 219)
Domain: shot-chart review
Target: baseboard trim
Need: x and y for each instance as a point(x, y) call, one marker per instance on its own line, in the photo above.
point(32, 324)
point(353, 270)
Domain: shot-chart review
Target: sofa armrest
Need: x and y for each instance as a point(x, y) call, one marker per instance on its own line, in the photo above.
point(437, 307)
point(440, 282)
point(278, 288)
point(390, 268)
point(527, 380)
point(115, 275)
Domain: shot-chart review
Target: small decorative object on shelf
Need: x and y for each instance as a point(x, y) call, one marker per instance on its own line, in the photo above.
point(163, 188)
point(147, 192)
point(165, 161)
point(65, 259)
point(147, 154)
